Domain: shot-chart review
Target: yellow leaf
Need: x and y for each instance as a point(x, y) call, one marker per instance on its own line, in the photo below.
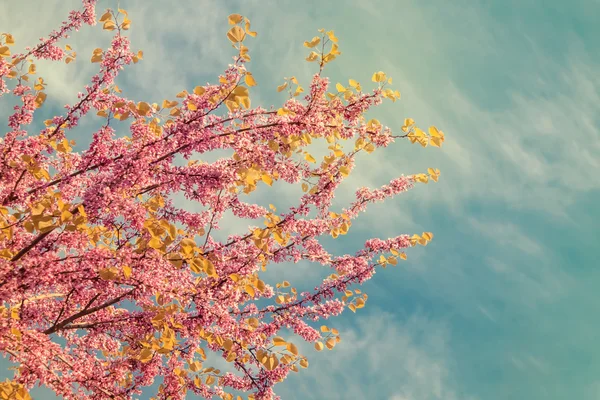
point(248, 31)
point(187, 246)
point(253, 322)
point(191, 106)
point(360, 303)
point(236, 34)
point(231, 105)
point(234, 19)
point(6, 253)
point(109, 26)
point(240, 91)
point(433, 131)
point(408, 122)
point(374, 125)
point(250, 290)
point(105, 17)
point(39, 99)
point(146, 355)
point(312, 56)
point(309, 158)
point(271, 363)
point(63, 146)
point(344, 228)
point(324, 328)
point(291, 347)
point(209, 268)
point(266, 178)
point(65, 216)
point(195, 366)
point(340, 87)
point(435, 142)
point(155, 243)
point(107, 274)
point(243, 100)
point(196, 265)
point(249, 79)
point(9, 39)
point(282, 87)
point(329, 57)
point(422, 178)
point(198, 90)
point(278, 341)
point(332, 37)
point(419, 133)
point(285, 111)
point(143, 108)
point(31, 70)
point(330, 343)
point(168, 104)
point(126, 271)
point(378, 77)
point(315, 41)
point(4, 51)
point(123, 117)
point(414, 239)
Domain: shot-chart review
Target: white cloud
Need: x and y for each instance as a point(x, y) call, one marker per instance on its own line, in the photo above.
point(382, 357)
point(506, 234)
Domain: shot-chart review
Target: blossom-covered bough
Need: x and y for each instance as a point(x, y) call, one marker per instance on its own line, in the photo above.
point(105, 284)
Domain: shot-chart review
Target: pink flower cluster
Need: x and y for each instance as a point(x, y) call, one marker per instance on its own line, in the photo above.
point(106, 284)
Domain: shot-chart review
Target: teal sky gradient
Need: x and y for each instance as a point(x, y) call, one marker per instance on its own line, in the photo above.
point(503, 303)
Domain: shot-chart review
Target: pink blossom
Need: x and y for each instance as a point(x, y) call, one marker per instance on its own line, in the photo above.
point(107, 284)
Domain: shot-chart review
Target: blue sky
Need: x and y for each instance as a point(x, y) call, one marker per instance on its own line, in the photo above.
point(502, 304)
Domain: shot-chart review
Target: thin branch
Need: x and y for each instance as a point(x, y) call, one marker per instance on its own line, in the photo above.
point(87, 311)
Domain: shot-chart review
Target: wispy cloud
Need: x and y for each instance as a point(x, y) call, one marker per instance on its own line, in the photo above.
point(381, 356)
point(523, 139)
